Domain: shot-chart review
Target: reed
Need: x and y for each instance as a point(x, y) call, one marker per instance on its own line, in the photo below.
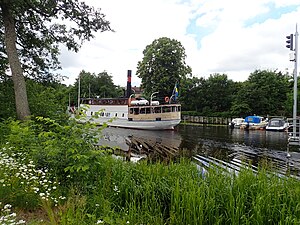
point(146, 193)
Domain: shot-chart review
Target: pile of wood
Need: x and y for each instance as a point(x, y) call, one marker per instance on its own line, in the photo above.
point(153, 150)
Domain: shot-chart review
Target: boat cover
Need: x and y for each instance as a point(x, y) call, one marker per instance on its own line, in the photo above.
point(253, 119)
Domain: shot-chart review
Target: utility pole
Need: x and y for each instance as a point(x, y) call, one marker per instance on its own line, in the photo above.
point(78, 99)
point(290, 45)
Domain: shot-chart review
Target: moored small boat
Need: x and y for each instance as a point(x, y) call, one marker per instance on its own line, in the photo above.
point(236, 122)
point(254, 123)
point(277, 124)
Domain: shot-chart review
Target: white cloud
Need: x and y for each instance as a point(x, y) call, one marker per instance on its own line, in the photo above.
point(232, 37)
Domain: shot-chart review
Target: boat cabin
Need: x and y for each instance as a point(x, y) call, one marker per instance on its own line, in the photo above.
point(156, 112)
point(105, 101)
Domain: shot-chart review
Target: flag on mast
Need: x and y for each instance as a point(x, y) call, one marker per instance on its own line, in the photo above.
point(175, 91)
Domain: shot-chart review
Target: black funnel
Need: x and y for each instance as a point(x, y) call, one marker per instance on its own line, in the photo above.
point(128, 90)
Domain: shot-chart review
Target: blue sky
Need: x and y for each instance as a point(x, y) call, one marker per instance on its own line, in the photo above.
point(234, 37)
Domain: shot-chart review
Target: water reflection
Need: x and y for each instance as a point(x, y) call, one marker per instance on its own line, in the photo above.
point(219, 142)
point(116, 137)
point(229, 145)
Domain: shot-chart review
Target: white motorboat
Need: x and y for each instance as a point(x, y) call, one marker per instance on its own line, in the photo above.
point(236, 123)
point(254, 123)
point(277, 124)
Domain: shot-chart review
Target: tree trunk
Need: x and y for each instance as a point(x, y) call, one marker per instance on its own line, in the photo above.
point(22, 105)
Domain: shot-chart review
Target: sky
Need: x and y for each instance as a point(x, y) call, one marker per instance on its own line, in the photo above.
point(232, 37)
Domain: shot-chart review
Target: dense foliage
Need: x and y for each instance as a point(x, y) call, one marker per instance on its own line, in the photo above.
point(263, 93)
point(162, 66)
point(94, 85)
point(48, 99)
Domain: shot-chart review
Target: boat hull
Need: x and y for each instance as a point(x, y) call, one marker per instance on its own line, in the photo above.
point(281, 129)
point(260, 126)
point(142, 125)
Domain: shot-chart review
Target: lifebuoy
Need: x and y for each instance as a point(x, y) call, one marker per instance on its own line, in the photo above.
point(167, 99)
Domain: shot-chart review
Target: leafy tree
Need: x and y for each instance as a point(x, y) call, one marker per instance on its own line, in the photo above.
point(162, 66)
point(100, 85)
point(265, 92)
point(240, 109)
point(218, 92)
point(31, 32)
point(45, 99)
point(191, 94)
point(7, 106)
point(289, 103)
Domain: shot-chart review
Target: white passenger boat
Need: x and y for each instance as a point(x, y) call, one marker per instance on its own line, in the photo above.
point(128, 112)
point(132, 113)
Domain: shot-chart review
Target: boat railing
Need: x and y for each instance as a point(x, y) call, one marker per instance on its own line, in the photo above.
point(294, 132)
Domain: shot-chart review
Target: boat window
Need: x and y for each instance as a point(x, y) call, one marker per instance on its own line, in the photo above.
point(158, 119)
point(179, 108)
point(157, 110)
point(142, 110)
point(131, 110)
point(102, 114)
point(116, 115)
point(123, 115)
point(276, 123)
point(148, 110)
point(136, 111)
point(166, 109)
point(91, 113)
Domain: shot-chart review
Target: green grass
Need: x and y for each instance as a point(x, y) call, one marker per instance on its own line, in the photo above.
point(146, 193)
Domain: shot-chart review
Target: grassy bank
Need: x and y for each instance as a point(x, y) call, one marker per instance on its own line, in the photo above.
point(52, 174)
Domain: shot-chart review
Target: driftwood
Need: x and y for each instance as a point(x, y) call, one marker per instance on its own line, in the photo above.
point(152, 149)
point(155, 149)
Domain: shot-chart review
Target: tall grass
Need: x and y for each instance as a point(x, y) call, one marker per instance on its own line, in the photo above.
point(178, 194)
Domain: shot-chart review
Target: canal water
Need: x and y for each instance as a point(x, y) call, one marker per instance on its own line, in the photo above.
point(219, 143)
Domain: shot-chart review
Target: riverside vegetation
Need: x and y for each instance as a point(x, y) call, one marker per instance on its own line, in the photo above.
point(51, 173)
